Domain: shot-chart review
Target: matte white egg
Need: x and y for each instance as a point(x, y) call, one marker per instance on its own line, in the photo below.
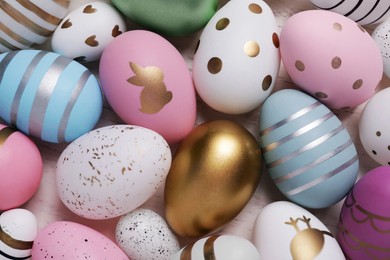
point(144, 234)
point(112, 170)
point(381, 36)
point(284, 230)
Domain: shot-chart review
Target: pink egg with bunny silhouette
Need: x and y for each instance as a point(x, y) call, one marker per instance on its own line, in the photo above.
point(147, 83)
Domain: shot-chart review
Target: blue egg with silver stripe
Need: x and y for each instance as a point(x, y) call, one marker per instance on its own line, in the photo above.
point(48, 96)
point(307, 151)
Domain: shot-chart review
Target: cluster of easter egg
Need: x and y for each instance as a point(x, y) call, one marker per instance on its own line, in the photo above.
point(111, 171)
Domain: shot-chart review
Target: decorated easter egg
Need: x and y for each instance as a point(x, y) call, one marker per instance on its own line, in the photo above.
point(70, 240)
point(20, 168)
point(144, 234)
point(147, 83)
point(237, 61)
point(307, 151)
point(382, 38)
point(363, 11)
point(24, 23)
point(47, 95)
point(171, 17)
point(87, 30)
point(328, 55)
point(364, 223)
point(227, 247)
point(374, 128)
point(18, 229)
point(284, 230)
point(111, 170)
point(214, 173)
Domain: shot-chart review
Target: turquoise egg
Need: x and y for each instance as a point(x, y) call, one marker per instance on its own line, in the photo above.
point(48, 96)
point(307, 151)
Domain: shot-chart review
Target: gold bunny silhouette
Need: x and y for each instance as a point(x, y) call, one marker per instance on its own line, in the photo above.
point(154, 95)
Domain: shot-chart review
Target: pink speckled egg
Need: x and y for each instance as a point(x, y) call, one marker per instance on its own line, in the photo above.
point(364, 225)
point(331, 57)
point(70, 240)
point(20, 168)
point(147, 83)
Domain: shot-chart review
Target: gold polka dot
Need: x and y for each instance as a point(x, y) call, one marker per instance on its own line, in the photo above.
point(321, 95)
point(361, 28)
point(214, 65)
point(255, 8)
point(267, 81)
point(275, 40)
point(222, 24)
point(357, 84)
point(300, 65)
point(336, 62)
point(337, 27)
point(251, 48)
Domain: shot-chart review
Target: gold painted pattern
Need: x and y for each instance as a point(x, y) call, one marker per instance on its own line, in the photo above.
point(187, 252)
point(14, 243)
point(208, 249)
point(14, 36)
point(63, 3)
point(91, 41)
point(214, 65)
point(89, 9)
point(4, 134)
point(255, 8)
point(7, 44)
point(251, 49)
point(39, 12)
point(222, 23)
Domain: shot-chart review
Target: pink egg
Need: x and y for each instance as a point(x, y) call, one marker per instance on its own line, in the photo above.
point(147, 83)
point(331, 57)
point(70, 240)
point(364, 226)
point(20, 168)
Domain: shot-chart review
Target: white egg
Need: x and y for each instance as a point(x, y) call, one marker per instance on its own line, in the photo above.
point(236, 64)
point(86, 31)
point(381, 36)
point(18, 229)
point(143, 234)
point(284, 230)
point(112, 170)
point(226, 247)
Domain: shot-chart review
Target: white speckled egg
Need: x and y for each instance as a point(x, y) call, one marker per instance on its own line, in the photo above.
point(236, 64)
point(226, 247)
point(283, 230)
point(144, 234)
point(112, 170)
point(86, 31)
point(381, 36)
point(308, 152)
point(18, 229)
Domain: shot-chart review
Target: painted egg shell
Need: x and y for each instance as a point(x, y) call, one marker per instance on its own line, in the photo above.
point(147, 83)
point(143, 234)
point(226, 247)
point(214, 173)
point(24, 23)
point(284, 230)
point(363, 11)
point(374, 128)
point(86, 31)
point(236, 64)
point(112, 170)
point(20, 168)
point(364, 223)
point(48, 96)
point(69, 240)
point(327, 55)
point(308, 152)
point(382, 38)
point(18, 229)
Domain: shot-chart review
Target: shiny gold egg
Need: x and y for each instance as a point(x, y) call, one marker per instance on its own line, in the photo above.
point(214, 173)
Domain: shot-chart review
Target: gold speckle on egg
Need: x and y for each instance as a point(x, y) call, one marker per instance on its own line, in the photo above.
point(299, 65)
point(267, 82)
point(255, 8)
point(275, 40)
point(337, 27)
point(357, 84)
point(91, 41)
point(361, 28)
point(321, 95)
point(336, 62)
point(89, 9)
point(214, 65)
point(66, 24)
point(222, 24)
point(251, 48)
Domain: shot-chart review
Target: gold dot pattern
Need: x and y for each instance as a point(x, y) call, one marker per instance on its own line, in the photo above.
point(357, 84)
point(299, 65)
point(336, 62)
point(222, 24)
point(251, 48)
point(321, 95)
point(214, 65)
point(267, 81)
point(337, 27)
point(275, 40)
point(255, 8)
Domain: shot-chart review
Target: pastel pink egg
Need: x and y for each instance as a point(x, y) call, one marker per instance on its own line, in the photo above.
point(147, 83)
point(20, 168)
point(331, 57)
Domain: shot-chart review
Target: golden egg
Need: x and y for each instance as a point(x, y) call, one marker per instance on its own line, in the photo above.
point(214, 173)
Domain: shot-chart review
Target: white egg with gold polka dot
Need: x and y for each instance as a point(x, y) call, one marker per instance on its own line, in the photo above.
point(237, 60)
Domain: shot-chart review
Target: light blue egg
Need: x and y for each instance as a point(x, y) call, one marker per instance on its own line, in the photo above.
point(307, 151)
point(48, 96)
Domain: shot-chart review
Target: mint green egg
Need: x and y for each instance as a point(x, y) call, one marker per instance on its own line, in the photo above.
point(169, 17)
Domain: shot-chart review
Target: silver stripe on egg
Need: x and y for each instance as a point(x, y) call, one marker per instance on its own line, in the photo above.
point(298, 132)
point(4, 63)
point(69, 106)
point(323, 177)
